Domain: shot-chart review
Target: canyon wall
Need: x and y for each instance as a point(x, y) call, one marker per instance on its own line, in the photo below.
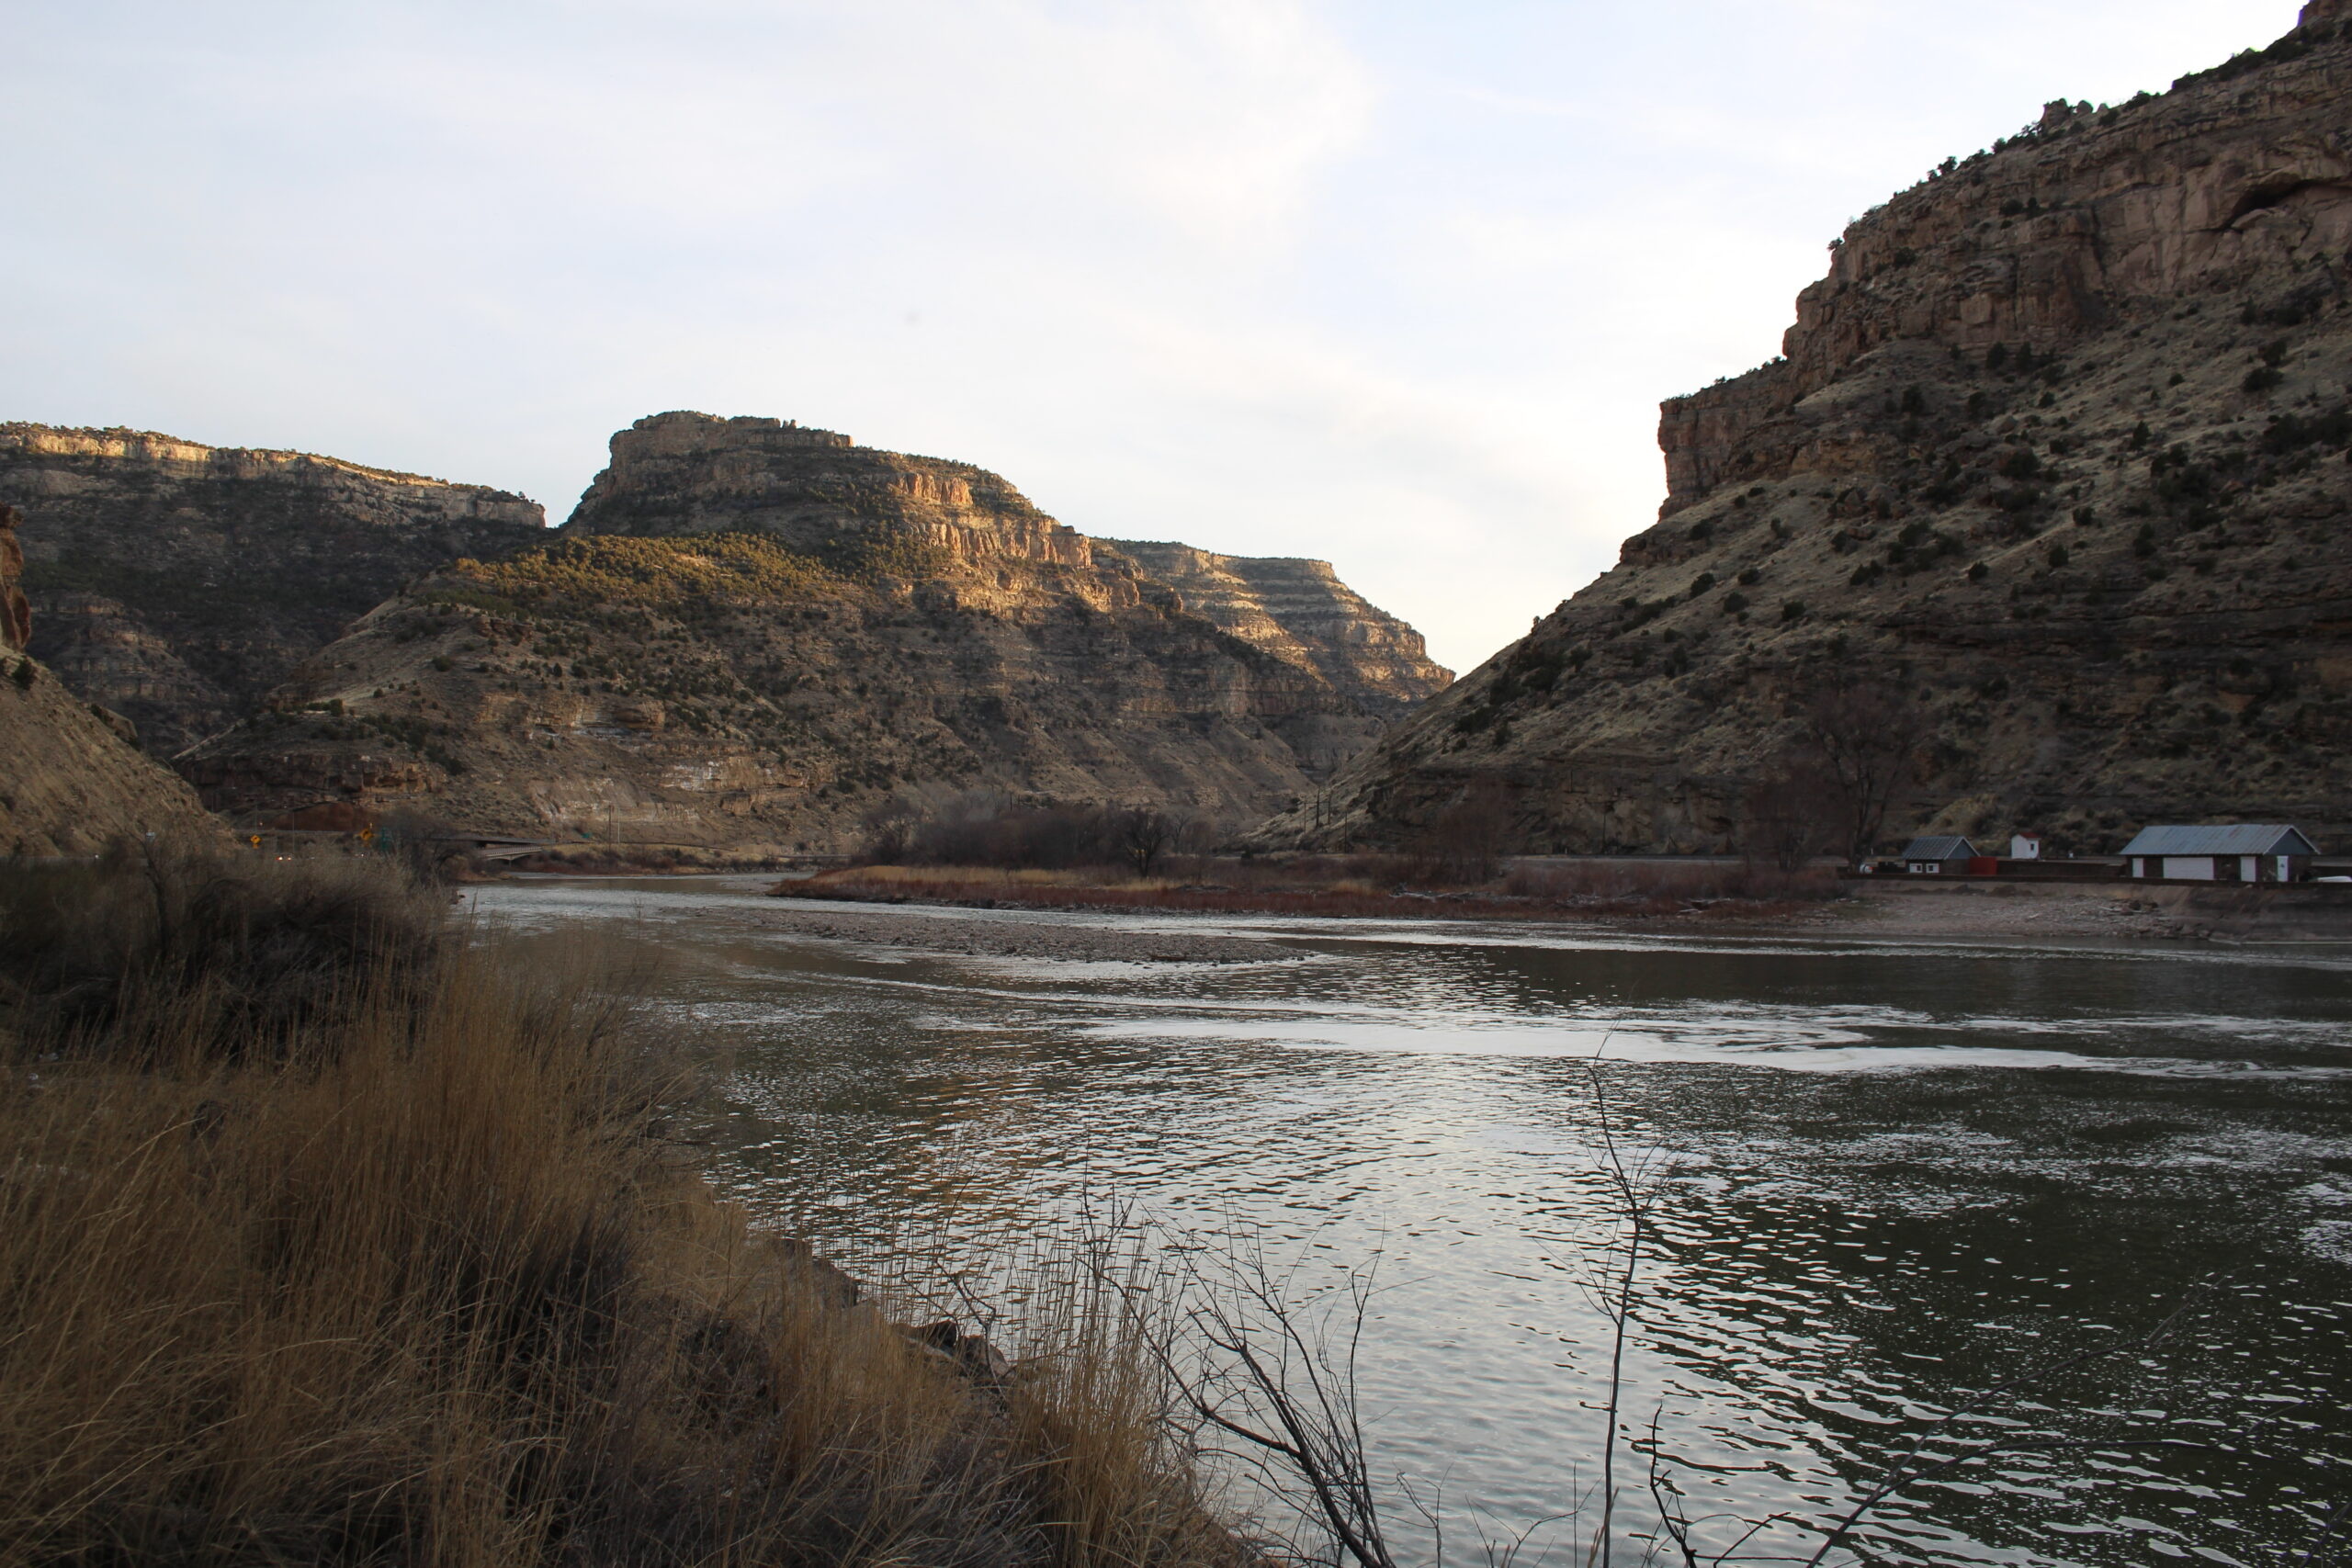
point(178, 583)
point(71, 777)
point(2054, 461)
point(1300, 611)
point(749, 633)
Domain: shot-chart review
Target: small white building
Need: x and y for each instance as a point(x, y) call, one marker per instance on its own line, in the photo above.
point(2025, 846)
point(2244, 852)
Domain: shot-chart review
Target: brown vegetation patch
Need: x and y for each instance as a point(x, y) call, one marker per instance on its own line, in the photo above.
point(422, 1282)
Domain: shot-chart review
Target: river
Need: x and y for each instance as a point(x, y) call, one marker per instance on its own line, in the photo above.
point(1888, 1177)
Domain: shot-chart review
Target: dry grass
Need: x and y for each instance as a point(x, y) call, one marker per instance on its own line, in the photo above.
point(408, 1276)
point(262, 949)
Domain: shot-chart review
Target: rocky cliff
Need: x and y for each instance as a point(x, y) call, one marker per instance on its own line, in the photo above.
point(1300, 611)
point(749, 632)
point(71, 777)
point(2054, 462)
point(178, 583)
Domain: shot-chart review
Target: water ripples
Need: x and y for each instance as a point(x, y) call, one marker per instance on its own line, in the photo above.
point(1987, 1156)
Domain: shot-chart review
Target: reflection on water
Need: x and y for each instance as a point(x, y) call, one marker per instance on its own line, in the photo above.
point(1896, 1176)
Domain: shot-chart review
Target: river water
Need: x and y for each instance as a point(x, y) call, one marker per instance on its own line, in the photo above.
point(1888, 1177)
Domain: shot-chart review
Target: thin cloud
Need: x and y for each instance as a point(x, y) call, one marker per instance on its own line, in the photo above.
point(1395, 286)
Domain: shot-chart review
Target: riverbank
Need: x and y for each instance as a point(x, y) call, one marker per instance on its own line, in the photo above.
point(1632, 896)
point(1347, 887)
point(1930, 908)
point(331, 1237)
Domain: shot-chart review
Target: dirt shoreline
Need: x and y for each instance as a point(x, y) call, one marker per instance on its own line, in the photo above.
point(2102, 912)
point(2222, 914)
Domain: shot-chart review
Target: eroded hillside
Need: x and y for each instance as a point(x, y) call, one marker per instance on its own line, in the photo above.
point(752, 633)
point(177, 583)
point(2055, 461)
point(72, 778)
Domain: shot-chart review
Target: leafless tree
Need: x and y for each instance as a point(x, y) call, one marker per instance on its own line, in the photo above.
point(1617, 1278)
point(1277, 1375)
point(1865, 736)
point(1145, 833)
point(1464, 841)
point(1790, 815)
point(889, 832)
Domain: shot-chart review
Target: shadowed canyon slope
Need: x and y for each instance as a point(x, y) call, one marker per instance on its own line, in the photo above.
point(753, 633)
point(71, 777)
point(2055, 460)
point(178, 583)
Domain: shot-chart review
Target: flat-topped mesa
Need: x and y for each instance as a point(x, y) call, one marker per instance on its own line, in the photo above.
point(695, 473)
point(753, 633)
point(176, 582)
point(26, 446)
point(2085, 220)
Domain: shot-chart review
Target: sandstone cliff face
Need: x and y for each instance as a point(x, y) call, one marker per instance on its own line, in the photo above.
point(2057, 451)
point(178, 582)
point(812, 491)
point(15, 612)
point(1301, 612)
point(71, 777)
point(753, 633)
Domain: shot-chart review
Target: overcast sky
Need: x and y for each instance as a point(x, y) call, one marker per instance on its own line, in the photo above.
point(1395, 284)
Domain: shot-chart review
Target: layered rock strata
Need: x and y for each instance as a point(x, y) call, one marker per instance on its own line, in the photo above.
point(1299, 610)
point(749, 632)
point(2056, 456)
point(71, 777)
point(178, 582)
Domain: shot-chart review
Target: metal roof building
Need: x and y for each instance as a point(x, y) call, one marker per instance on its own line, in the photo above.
point(1937, 855)
point(2236, 852)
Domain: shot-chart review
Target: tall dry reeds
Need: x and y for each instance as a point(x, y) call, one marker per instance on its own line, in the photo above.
point(262, 948)
point(325, 1238)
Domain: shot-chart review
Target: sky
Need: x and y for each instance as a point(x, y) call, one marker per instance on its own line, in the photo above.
point(1395, 284)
